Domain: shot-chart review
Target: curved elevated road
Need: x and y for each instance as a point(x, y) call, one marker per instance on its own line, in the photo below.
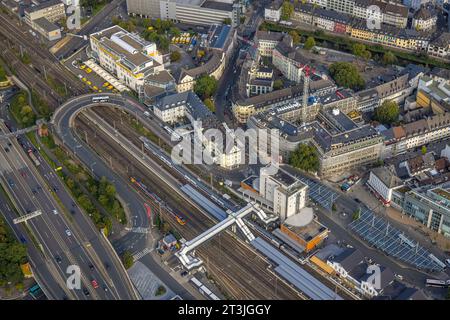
point(62, 121)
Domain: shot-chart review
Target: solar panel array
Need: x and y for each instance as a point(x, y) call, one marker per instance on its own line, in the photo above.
point(378, 233)
point(319, 193)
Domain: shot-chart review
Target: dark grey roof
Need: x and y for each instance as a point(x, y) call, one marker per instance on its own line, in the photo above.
point(387, 176)
point(43, 5)
point(442, 40)
point(46, 25)
point(261, 82)
point(221, 6)
point(267, 35)
point(386, 277)
point(425, 13)
point(195, 106)
point(411, 294)
point(349, 259)
point(219, 35)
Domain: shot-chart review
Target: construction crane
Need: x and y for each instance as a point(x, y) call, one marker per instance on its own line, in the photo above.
point(306, 72)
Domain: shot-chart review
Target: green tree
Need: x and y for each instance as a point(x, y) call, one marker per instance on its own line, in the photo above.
point(205, 86)
point(110, 191)
point(287, 8)
point(165, 228)
point(174, 31)
point(2, 74)
point(423, 149)
point(295, 37)
point(309, 43)
point(227, 21)
point(12, 255)
point(104, 200)
point(356, 214)
point(360, 50)
point(175, 56)
point(389, 58)
point(333, 207)
point(387, 113)
point(346, 75)
point(278, 84)
point(305, 158)
point(85, 203)
point(163, 43)
point(127, 259)
point(210, 104)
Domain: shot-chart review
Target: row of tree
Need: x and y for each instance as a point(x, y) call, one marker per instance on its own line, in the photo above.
point(2, 74)
point(21, 110)
point(12, 255)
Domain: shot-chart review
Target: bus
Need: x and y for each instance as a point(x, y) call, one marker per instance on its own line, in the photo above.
point(100, 99)
point(436, 283)
point(33, 157)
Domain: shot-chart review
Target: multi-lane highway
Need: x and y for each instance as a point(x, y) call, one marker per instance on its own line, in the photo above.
point(63, 232)
point(42, 269)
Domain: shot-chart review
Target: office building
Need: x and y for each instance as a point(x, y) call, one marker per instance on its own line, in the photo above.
point(196, 12)
point(126, 55)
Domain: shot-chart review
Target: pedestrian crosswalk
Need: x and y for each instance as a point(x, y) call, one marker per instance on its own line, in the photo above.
point(139, 230)
point(140, 254)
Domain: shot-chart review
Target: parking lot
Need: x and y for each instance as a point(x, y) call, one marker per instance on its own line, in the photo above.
point(87, 75)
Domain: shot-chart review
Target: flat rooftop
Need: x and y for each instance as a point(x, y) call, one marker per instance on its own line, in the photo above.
point(308, 232)
point(221, 6)
point(442, 192)
point(218, 36)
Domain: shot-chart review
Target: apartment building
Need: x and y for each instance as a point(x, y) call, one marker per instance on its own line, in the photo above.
point(400, 139)
point(52, 10)
point(440, 46)
point(434, 92)
point(213, 67)
point(126, 55)
point(272, 12)
point(172, 108)
point(49, 30)
point(267, 41)
point(223, 148)
point(382, 181)
point(391, 32)
point(425, 19)
point(260, 81)
point(246, 107)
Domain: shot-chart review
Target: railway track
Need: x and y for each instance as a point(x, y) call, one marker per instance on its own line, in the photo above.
point(29, 77)
point(40, 57)
point(240, 271)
